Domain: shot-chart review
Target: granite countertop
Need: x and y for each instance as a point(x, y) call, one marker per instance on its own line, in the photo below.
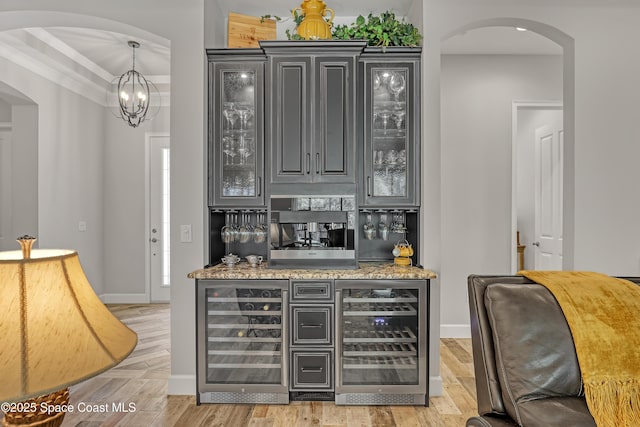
point(367, 270)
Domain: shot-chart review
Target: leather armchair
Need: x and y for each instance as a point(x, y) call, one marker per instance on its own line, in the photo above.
point(526, 368)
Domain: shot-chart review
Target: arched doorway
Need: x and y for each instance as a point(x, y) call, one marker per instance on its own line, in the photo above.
point(567, 45)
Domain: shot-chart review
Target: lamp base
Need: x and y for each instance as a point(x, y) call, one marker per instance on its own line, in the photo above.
point(39, 417)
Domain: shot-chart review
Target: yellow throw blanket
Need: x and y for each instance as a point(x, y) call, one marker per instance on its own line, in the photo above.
point(603, 314)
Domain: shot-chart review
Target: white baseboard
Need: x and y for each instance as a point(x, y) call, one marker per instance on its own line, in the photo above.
point(124, 298)
point(435, 386)
point(455, 331)
point(182, 385)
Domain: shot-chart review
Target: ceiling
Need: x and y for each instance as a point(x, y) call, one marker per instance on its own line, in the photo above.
point(86, 60)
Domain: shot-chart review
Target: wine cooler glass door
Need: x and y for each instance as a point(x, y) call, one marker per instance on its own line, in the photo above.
point(244, 335)
point(383, 335)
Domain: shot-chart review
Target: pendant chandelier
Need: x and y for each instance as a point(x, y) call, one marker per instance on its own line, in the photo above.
point(134, 93)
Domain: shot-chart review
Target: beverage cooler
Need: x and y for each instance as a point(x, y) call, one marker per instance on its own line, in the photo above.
point(381, 344)
point(242, 342)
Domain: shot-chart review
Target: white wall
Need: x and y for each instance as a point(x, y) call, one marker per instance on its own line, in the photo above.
point(5, 111)
point(24, 151)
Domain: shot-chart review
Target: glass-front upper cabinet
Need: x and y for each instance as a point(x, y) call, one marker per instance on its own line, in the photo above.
point(391, 85)
point(236, 136)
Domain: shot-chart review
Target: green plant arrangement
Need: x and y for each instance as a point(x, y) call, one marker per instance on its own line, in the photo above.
point(383, 30)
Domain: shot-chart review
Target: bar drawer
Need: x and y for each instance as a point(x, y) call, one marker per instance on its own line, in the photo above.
point(315, 290)
point(312, 369)
point(312, 324)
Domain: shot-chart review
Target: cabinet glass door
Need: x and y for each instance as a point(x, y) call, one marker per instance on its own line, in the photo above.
point(391, 116)
point(244, 336)
point(237, 136)
point(389, 133)
point(380, 330)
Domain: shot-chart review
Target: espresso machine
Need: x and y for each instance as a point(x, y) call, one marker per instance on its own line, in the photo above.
point(312, 232)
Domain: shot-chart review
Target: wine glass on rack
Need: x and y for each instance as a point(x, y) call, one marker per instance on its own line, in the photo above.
point(398, 117)
point(245, 232)
point(383, 228)
point(245, 113)
point(228, 149)
point(385, 115)
point(230, 114)
point(396, 85)
point(229, 231)
point(377, 81)
point(369, 228)
point(260, 230)
point(245, 149)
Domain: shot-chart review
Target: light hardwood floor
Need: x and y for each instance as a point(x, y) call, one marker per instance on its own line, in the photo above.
point(141, 380)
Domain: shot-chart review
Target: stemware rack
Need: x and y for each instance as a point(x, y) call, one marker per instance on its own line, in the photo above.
point(247, 225)
point(400, 224)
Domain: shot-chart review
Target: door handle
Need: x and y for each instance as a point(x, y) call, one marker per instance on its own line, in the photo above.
point(369, 186)
point(316, 370)
point(259, 186)
point(317, 163)
point(536, 243)
point(308, 163)
point(302, 325)
point(154, 240)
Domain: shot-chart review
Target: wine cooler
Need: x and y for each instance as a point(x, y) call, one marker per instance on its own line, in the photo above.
point(242, 341)
point(381, 343)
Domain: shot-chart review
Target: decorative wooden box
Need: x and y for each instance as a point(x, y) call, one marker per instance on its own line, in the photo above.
point(245, 31)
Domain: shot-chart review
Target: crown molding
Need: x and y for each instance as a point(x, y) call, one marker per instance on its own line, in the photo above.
point(74, 71)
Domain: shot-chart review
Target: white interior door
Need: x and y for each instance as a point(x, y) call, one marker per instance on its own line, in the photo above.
point(7, 241)
point(548, 197)
point(159, 220)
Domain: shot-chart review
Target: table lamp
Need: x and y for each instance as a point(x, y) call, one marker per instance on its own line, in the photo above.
point(54, 332)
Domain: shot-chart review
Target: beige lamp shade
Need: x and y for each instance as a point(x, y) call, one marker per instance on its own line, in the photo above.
point(54, 330)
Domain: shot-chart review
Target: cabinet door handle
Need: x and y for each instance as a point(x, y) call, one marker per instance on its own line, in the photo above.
point(259, 186)
point(317, 163)
point(316, 370)
point(302, 325)
point(369, 186)
point(308, 163)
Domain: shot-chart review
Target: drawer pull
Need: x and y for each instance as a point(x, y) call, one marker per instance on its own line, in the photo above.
point(312, 291)
point(302, 325)
point(314, 370)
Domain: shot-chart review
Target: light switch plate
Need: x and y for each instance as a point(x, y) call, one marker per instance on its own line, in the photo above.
point(185, 233)
point(82, 225)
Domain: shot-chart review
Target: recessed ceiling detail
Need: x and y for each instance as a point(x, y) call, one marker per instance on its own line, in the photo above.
point(84, 60)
